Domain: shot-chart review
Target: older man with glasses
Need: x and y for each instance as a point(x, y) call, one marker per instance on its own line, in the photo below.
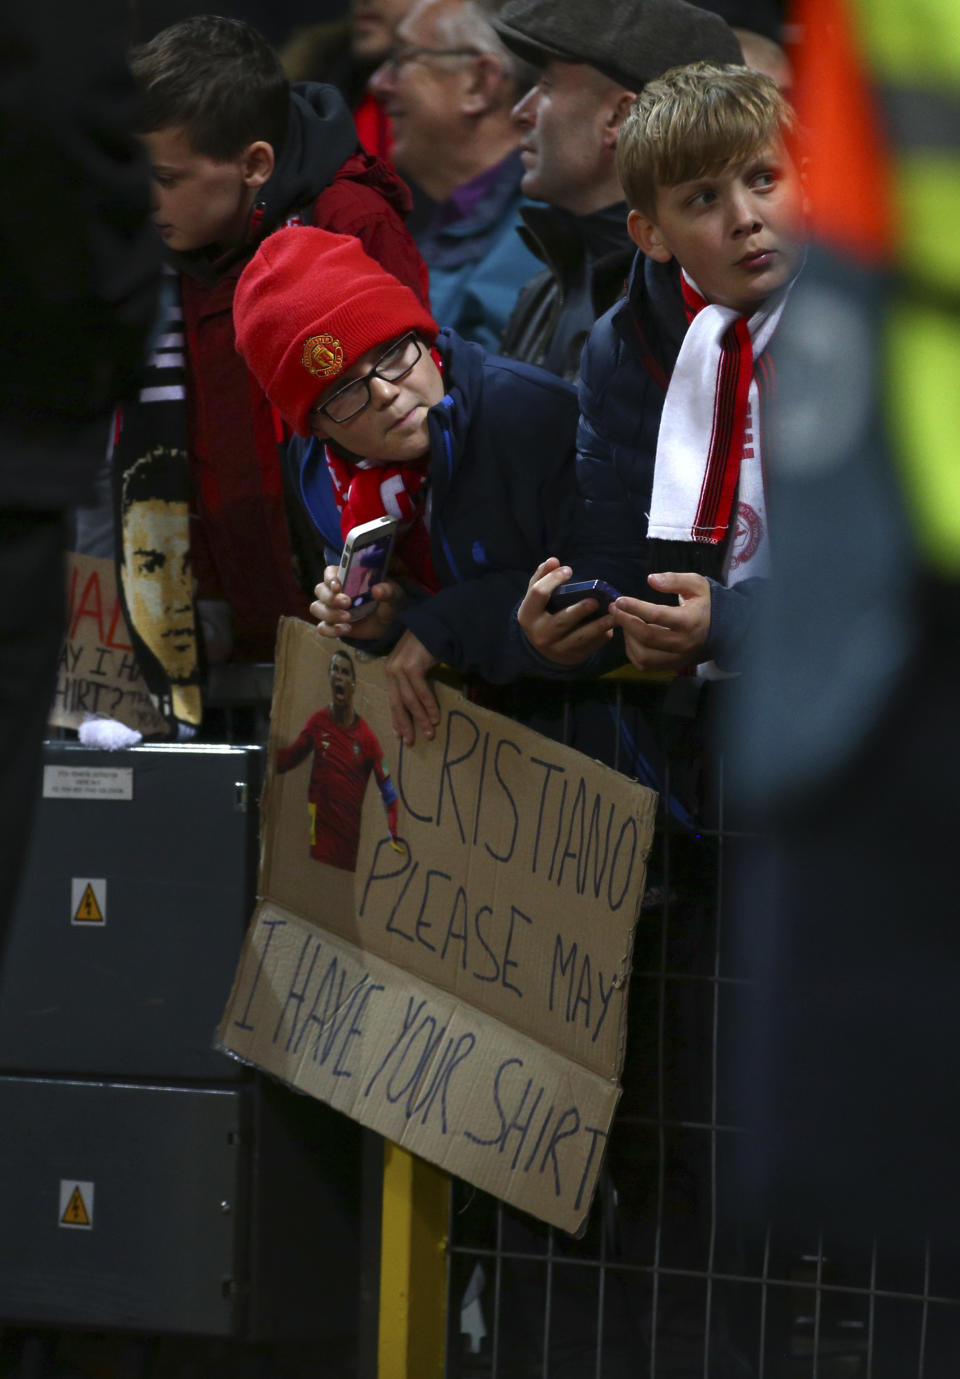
point(449, 86)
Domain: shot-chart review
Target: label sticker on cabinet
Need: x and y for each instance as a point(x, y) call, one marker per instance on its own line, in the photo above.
point(88, 783)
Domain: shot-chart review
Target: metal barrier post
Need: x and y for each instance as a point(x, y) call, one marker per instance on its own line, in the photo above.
point(413, 1302)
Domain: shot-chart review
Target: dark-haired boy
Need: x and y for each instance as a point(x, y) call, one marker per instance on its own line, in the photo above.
point(237, 153)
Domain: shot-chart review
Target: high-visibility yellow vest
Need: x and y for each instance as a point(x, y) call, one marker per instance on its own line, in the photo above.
point(878, 85)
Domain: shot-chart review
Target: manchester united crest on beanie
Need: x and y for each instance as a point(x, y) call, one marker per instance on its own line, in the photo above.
point(307, 306)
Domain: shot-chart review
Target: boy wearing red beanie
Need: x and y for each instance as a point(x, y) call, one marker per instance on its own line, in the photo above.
point(472, 452)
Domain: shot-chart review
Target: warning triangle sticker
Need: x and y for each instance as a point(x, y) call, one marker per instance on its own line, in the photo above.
point(76, 1212)
point(88, 911)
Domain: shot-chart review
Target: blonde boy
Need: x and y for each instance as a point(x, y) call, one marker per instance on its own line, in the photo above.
point(669, 463)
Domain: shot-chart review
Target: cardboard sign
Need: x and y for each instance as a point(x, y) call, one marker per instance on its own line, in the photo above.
point(442, 948)
point(97, 672)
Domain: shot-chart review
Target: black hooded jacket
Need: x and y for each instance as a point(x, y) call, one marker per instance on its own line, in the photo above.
point(241, 547)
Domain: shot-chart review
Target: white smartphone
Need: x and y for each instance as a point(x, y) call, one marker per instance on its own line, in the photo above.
point(365, 562)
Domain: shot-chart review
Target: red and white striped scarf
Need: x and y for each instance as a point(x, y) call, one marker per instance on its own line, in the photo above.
point(148, 453)
point(708, 447)
point(151, 432)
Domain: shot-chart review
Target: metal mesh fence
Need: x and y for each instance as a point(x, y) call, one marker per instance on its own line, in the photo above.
point(666, 1282)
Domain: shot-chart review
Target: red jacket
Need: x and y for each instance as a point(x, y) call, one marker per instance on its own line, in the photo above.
point(240, 540)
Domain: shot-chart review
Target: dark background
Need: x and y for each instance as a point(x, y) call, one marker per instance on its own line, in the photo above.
point(277, 19)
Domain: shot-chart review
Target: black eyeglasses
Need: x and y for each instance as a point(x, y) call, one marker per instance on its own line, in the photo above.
point(395, 363)
point(409, 52)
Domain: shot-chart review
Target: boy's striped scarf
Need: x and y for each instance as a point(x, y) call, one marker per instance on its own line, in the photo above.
point(149, 457)
point(709, 446)
point(150, 435)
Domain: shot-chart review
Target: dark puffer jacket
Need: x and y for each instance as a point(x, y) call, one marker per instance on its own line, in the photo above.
point(625, 373)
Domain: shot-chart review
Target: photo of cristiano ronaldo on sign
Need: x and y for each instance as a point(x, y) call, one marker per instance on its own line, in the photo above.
point(345, 751)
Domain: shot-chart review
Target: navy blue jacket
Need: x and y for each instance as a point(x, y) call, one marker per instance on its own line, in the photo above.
point(624, 374)
point(502, 448)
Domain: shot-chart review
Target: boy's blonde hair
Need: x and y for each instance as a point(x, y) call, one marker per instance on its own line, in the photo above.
point(692, 122)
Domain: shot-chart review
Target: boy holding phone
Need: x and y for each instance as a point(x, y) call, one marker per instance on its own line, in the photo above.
point(472, 453)
point(669, 465)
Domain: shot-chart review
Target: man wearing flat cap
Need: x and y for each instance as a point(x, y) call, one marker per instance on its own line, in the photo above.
point(593, 60)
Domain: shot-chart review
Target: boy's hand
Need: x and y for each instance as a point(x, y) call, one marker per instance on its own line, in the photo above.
point(658, 637)
point(331, 605)
point(569, 637)
point(412, 701)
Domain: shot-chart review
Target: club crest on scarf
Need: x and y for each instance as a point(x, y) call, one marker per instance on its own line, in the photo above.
point(322, 356)
point(748, 533)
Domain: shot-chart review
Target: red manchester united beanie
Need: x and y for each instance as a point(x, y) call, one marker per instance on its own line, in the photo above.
point(307, 306)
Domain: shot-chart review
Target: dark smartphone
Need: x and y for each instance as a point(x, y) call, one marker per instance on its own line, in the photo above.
point(569, 594)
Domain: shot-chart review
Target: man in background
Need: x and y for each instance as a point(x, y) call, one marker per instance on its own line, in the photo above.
point(592, 62)
point(345, 52)
point(449, 86)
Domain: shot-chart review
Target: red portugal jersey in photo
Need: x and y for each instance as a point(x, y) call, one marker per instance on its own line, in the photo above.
point(343, 758)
